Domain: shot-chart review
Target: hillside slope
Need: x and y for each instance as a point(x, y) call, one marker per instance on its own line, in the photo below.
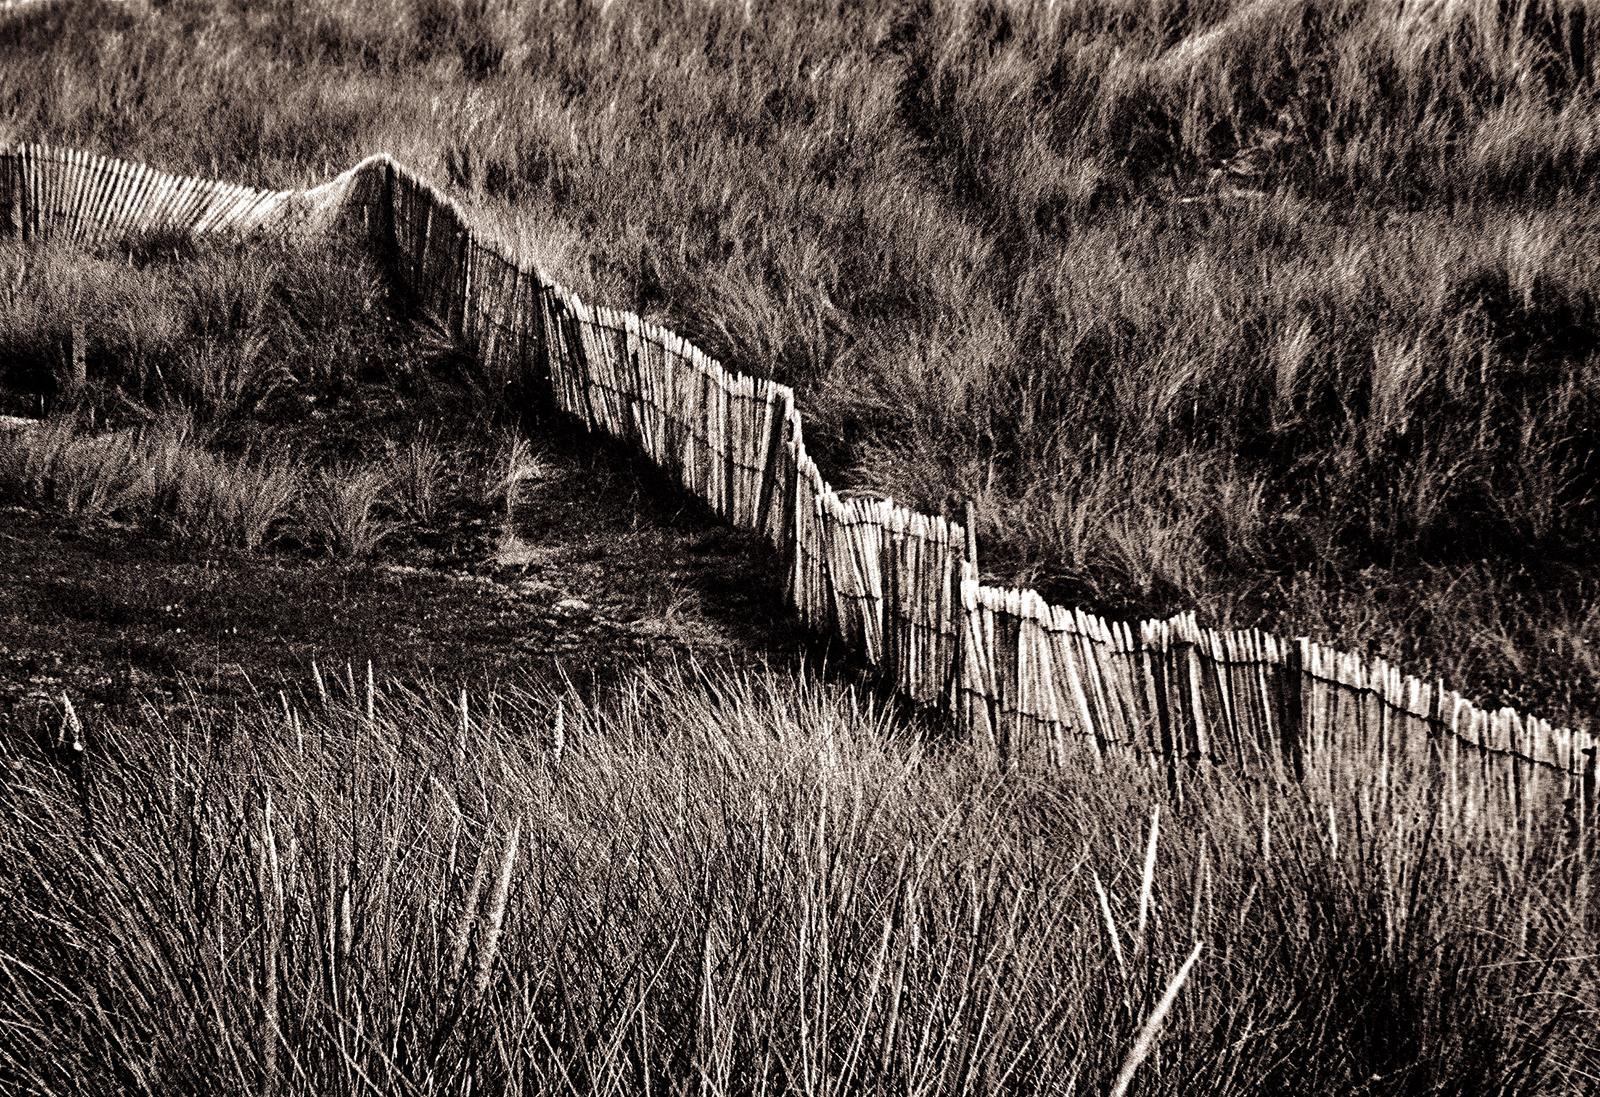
point(1278, 311)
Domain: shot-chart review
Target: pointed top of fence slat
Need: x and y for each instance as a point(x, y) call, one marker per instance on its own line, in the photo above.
point(1041, 609)
point(124, 194)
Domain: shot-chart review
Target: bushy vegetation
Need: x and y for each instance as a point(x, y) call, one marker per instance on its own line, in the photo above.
point(736, 885)
point(185, 382)
point(1280, 310)
point(165, 478)
point(222, 332)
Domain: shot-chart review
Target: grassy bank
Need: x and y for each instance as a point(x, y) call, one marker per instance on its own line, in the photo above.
point(239, 396)
point(739, 885)
point(221, 332)
point(1277, 310)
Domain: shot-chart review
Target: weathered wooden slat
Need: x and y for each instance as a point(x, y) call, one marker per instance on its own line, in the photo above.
point(1030, 678)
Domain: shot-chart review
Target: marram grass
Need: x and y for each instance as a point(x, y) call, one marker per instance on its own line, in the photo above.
point(742, 884)
point(1279, 311)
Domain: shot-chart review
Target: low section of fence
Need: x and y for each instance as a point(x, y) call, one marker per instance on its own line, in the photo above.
point(46, 192)
point(1037, 681)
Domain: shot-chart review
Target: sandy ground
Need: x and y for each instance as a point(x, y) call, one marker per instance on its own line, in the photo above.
point(594, 570)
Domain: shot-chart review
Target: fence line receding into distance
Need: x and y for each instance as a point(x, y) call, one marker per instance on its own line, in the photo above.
point(1033, 680)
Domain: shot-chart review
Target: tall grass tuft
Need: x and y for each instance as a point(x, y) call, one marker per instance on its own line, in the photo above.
point(513, 462)
point(746, 884)
point(237, 501)
point(1325, 255)
point(223, 382)
point(417, 470)
point(84, 475)
point(161, 474)
point(220, 328)
point(341, 509)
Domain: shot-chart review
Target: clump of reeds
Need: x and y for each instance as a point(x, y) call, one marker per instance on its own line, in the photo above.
point(341, 509)
point(418, 471)
point(237, 501)
point(164, 475)
point(748, 883)
point(512, 463)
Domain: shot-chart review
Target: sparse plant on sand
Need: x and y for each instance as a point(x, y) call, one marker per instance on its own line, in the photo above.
point(512, 463)
point(341, 509)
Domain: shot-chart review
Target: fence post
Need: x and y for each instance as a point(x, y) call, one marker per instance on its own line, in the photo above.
point(774, 532)
point(10, 193)
point(791, 501)
point(1165, 744)
point(1588, 815)
point(969, 518)
point(960, 688)
point(1289, 687)
point(387, 235)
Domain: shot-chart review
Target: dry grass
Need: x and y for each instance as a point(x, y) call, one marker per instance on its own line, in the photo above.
point(239, 502)
point(743, 885)
point(1283, 310)
point(88, 475)
point(54, 463)
point(1098, 266)
point(220, 331)
point(342, 509)
point(166, 475)
point(511, 463)
point(418, 470)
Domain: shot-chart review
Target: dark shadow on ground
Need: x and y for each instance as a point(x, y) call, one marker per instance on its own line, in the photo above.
point(596, 568)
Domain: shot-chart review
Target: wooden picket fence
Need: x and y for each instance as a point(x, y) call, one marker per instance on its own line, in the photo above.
point(1037, 682)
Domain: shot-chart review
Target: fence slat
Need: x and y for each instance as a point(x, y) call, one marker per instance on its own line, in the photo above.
point(1025, 677)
